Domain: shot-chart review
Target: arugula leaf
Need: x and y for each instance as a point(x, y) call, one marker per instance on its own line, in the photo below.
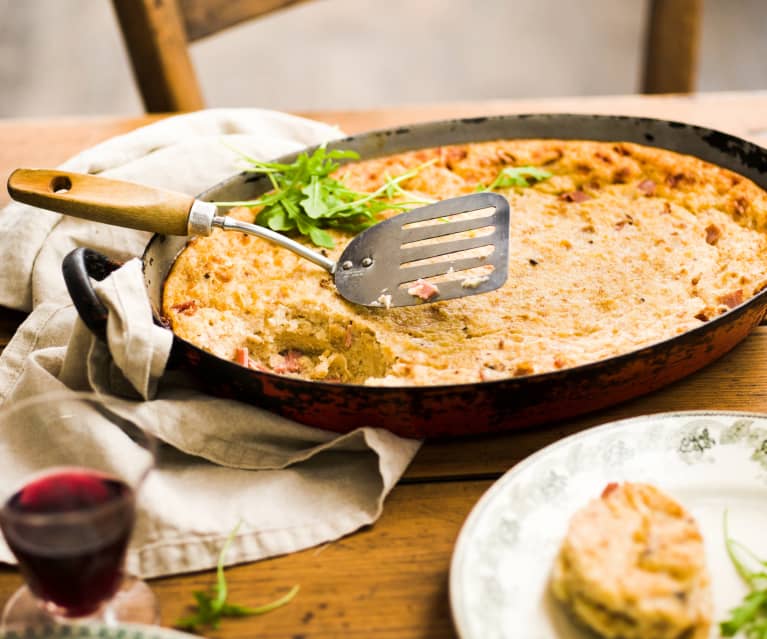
point(306, 199)
point(751, 615)
point(320, 237)
point(315, 203)
point(392, 187)
point(522, 176)
point(746, 615)
point(211, 608)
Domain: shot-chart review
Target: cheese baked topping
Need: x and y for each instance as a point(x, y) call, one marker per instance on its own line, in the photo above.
point(632, 566)
point(623, 246)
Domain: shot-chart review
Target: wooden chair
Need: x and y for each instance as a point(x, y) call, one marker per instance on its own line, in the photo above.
point(671, 47)
point(157, 34)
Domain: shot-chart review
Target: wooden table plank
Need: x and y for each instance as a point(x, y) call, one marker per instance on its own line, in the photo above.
point(736, 382)
point(47, 143)
point(388, 581)
point(396, 587)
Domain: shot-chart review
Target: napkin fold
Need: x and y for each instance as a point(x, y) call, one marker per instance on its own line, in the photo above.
point(225, 462)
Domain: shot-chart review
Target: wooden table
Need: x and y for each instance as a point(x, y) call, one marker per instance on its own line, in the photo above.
point(390, 580)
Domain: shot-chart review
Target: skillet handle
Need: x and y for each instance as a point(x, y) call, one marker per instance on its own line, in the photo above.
point(78, 267)
point(102, 199)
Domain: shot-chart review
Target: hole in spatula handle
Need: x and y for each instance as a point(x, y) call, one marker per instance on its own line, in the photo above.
point(61, 184)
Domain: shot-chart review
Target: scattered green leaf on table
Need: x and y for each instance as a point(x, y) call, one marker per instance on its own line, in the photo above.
point(211, 607)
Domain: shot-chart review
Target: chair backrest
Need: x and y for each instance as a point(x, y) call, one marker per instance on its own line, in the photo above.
point(157, 36)
point(671, 46)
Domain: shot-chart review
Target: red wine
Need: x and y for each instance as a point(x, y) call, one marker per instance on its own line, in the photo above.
point(69, 531)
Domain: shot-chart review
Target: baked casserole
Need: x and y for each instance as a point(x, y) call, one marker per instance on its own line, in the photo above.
point(622, 246)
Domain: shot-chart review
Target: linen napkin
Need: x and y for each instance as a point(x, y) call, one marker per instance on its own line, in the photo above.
point(288, 485)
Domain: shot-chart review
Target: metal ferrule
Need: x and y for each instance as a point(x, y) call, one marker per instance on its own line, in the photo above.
point(201, 216)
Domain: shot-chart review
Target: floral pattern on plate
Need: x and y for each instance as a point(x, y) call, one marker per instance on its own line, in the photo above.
point(711, 462)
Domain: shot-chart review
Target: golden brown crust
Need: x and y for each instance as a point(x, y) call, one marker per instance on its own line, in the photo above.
point(621, 236)
point(632, 565)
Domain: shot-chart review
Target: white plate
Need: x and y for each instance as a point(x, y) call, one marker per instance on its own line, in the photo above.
point(709, 461)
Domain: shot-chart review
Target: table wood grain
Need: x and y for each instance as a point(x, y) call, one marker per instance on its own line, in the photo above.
point(390, 580)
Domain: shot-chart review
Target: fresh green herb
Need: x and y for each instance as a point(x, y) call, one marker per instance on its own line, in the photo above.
point(212, 606)
point(522, 176)
point(392, 188)
point(750, 616)
point(305, 198)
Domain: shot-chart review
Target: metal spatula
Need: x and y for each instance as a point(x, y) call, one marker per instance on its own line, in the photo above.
point(453, 248)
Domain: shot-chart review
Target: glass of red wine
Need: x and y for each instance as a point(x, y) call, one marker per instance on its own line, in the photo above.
point(70, 469)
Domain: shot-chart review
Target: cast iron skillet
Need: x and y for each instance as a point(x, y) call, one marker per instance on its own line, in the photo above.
point(461, 409)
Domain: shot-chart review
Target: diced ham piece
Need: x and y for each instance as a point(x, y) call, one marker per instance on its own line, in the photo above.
point(575, 196)
point(348, 337)
point(423, 289)
point(292, 360)
point(241, 356)
point(647, 187)
point(287, 362)
point(612, 486)
point(187, 308)
point(731, 300)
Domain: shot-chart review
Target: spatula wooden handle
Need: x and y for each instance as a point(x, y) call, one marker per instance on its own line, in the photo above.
point(103, 200)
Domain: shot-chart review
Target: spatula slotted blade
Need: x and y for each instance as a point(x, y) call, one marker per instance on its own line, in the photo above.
point(453, 248)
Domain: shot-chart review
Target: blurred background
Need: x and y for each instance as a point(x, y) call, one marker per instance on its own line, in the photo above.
point(66, 57)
